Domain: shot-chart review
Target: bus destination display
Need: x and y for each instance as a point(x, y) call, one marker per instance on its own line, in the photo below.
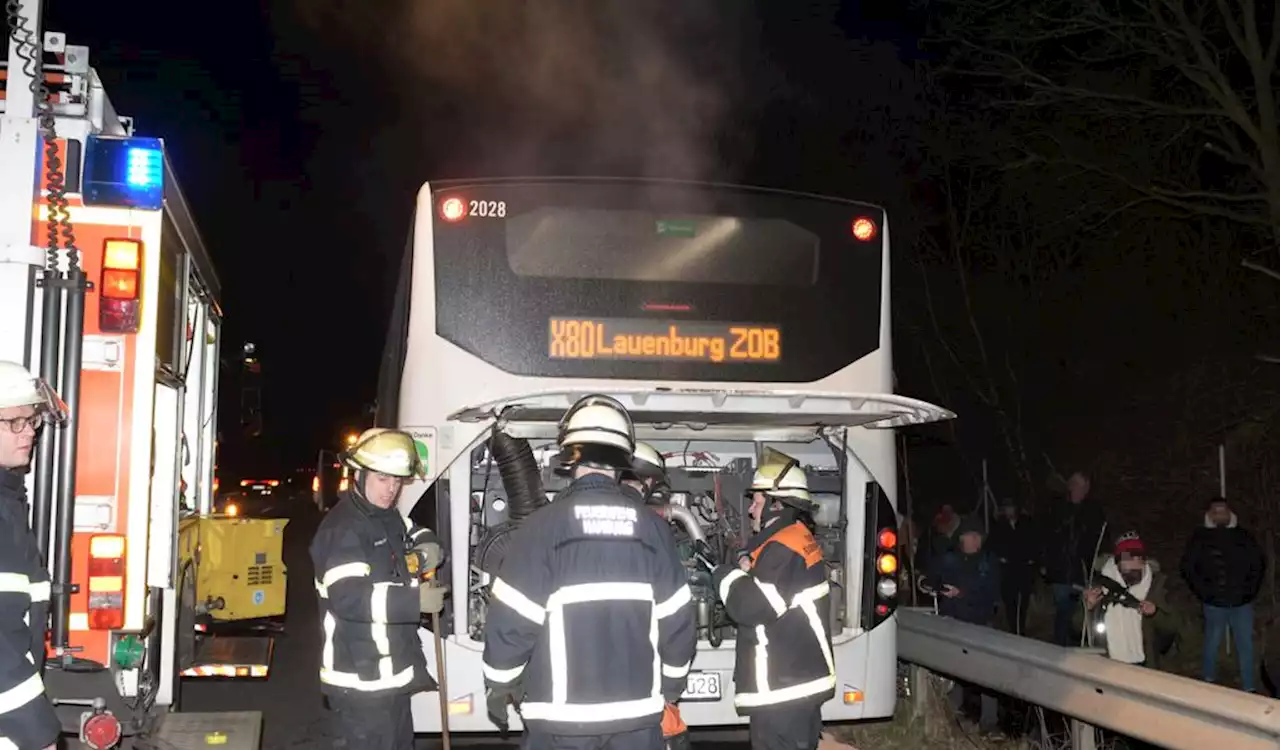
point(640, 340)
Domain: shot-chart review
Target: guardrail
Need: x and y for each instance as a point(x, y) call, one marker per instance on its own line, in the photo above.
point(1160, 708)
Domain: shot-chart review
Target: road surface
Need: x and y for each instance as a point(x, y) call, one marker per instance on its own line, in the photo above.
point(294, 715)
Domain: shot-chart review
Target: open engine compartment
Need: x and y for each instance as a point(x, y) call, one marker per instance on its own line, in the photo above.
point(707, 499)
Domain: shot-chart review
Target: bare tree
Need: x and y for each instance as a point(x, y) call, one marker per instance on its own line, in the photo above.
point(1195, 80)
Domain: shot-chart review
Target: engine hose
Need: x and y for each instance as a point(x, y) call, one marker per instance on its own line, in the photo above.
point(713, 629)
point(520, 475)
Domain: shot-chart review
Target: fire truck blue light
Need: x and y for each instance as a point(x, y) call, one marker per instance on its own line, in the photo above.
point(146, 167)
point(125, 172)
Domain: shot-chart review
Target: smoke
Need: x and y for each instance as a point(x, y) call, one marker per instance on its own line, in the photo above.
point(563, 86)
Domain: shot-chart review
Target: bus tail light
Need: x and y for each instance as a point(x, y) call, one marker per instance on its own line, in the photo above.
point(880, 587)
point(106, 581)
point(120, 288)
point(315, 484)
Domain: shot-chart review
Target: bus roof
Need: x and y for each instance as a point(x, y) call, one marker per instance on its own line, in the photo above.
point(456, 183)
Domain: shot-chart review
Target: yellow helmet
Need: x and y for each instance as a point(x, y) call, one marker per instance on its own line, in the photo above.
point(385, 451)
point(780, 476)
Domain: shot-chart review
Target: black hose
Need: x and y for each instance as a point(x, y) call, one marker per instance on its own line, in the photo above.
point(520, 475)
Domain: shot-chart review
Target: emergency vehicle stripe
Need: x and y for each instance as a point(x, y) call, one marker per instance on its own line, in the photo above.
point(805, 601)
point(672, 605)
point(40, 591)
point(559, 708)
point(523, 605)
point(21, 694)
point(502, 675)
point(14, 583)
point(387, 679)
point(346, 570)
point(378, 613)
point(768, 590)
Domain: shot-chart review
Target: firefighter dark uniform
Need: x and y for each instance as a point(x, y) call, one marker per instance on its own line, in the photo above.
point(784, 669)
point(27, 719)
point(645, 482)
point(370, 607)
point(591, 628)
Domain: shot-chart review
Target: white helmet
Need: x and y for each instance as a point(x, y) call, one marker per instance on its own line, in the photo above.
point(18, 387)
point(648, 463)
point(597, 431)
point(780, 476)
point(385, 451)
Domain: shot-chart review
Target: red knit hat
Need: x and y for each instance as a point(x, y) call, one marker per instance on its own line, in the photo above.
point(1129, 542)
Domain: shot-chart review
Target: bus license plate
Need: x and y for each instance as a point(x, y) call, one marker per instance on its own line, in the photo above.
point(702, 686)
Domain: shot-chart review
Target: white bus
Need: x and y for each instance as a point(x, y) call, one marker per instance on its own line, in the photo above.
point(727, 319)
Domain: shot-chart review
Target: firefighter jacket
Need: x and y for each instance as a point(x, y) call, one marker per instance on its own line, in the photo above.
point(27, 718)
point(368, 601)
point(782, 608)
point(591, 617)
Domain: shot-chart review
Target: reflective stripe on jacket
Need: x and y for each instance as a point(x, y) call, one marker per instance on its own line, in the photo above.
point(368, 601)
point(27, 719)
point(591, 614)
point(782, 608)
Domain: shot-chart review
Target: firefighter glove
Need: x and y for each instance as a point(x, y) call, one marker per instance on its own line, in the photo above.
point(431, 598)
point(496, 701)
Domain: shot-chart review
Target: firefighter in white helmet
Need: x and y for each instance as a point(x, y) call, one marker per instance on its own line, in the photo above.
point(648, 473)
point(647, 478)
point(778, 595)
point(27, 718)
point(585, 581)
point(368, 561)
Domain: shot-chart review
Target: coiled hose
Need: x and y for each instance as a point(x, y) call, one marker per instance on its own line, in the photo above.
point(520, 475)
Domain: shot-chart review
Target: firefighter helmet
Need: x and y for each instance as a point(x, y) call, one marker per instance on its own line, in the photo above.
point(385, 451)
point(18, 387)
point(780, 477)
point(648, 463)
point(597, 431)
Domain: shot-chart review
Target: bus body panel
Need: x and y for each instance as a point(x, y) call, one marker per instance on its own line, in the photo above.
point(437, 372)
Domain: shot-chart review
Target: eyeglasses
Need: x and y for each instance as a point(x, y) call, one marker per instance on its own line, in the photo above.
point(16, 425)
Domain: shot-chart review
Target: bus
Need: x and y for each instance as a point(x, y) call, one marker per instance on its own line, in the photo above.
point(731, 322)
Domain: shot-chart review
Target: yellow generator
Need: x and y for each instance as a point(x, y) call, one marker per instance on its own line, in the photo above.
point(231, 571)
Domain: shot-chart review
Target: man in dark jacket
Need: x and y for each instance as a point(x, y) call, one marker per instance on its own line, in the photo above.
point(27, 719)
point(371, 600)
point(967, 581)
point(591, 627)
point(1073, 537)
point(1223, 565)
point(1015, 546)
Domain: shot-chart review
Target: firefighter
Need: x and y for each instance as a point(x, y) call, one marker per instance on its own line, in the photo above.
point(648, 478)
point(647, 474)
point(779, 596)
point(27, 718)
point(585, 581)
point(370, 601)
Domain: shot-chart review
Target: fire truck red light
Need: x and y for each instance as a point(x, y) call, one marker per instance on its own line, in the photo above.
point(864, 229)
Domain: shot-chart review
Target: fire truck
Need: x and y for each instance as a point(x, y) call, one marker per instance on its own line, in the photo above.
point(109, 293)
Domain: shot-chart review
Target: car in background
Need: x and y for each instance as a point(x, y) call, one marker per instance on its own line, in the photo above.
point(255, 498)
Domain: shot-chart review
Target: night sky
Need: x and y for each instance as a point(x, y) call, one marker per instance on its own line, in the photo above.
point(1080, 286)
point(301, 131)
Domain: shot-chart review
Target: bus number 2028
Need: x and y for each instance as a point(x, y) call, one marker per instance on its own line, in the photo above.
point(488, 209)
